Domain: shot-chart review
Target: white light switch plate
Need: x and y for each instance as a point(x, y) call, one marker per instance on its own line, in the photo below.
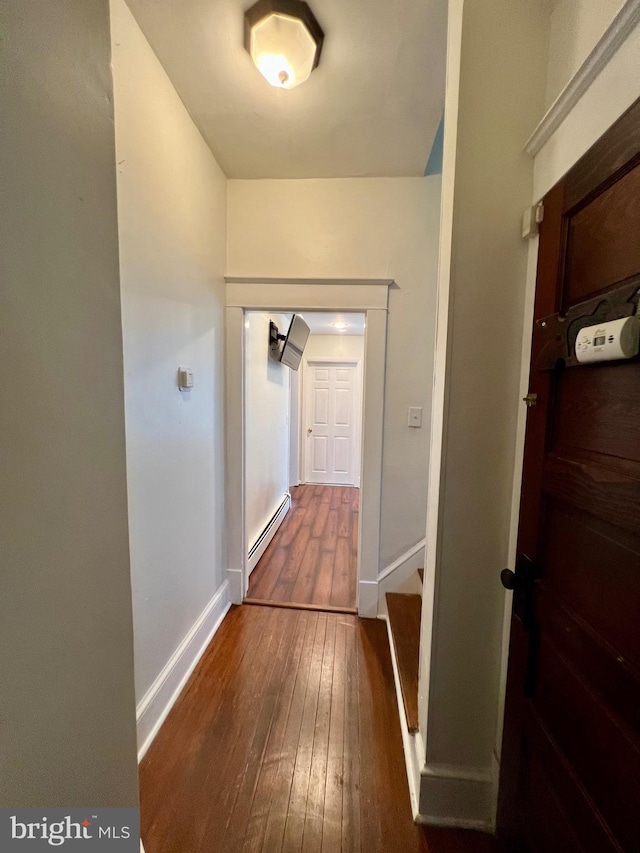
point(185, 378)
point(415, 416)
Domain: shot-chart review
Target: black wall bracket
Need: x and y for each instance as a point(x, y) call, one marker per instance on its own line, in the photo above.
point(274, 336)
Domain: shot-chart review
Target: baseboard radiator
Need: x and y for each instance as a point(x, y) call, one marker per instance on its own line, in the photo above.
point(268, 533)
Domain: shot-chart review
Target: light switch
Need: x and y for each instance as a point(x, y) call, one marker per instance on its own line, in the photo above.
point(415, 416)
point(185, 378)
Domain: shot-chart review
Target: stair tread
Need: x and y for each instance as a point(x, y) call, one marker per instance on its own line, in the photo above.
point(404, 622)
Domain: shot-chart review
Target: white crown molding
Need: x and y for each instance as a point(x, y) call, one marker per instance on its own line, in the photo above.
point(236, 279)
point(614, 36)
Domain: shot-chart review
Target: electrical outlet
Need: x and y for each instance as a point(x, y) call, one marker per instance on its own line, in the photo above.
point(415, 417)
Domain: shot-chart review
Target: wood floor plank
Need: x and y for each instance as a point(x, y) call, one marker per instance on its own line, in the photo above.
point(183, 743)
point(235, 804)
point(291, 525)
point(305, 582)
point(324, 578)
point(287, 738)
point(268, 766)
point(265, 582)
point(370, 814)
point(351, 838)
point(270, 702)
point(213, 813)
point(304, 494)
point(334, 777)
point(288, 576)
point(330, 537)
point(279, 808)
point(314, 817)
point(320, 516)
point(341, 588)
point(294, 830)
point(344, 520)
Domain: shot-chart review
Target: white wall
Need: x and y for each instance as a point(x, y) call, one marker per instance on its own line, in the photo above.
point(575, 27)
point(498, 51)
point(172, 222)
point(267, 405)
point(360, 228)
point(68, 710)
point(335, 346)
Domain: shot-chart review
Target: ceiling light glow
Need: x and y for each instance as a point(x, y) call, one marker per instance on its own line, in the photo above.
point(284, 40)
point(340, 325)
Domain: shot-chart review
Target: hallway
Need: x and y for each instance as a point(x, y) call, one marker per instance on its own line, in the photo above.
point(313, 558)
point(287, 738)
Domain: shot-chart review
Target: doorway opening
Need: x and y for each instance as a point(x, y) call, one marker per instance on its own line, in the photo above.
point(303, 459)
point(277, 295)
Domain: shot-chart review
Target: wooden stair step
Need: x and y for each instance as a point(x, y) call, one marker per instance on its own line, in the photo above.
point(404, 623)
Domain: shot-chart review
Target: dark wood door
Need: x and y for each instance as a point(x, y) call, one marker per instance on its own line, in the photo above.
point(570, 776)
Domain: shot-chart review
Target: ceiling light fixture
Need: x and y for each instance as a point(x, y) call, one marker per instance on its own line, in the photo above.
point(340, 325)
point(284, 40)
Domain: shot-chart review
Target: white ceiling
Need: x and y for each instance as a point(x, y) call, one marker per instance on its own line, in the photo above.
point(371, 108)
point(322, 324)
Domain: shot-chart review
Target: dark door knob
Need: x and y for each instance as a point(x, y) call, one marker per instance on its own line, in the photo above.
point(508, 579)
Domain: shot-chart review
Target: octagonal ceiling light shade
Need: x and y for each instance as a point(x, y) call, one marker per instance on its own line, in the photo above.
point(284, 40)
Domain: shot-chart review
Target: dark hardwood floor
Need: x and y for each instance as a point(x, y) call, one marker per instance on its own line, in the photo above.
point(313, 558)
point(287, 738)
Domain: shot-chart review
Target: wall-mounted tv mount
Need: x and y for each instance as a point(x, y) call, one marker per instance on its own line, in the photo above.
point(275, 337)
point(294, 341)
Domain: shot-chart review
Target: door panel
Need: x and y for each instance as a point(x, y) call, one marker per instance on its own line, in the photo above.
point(570, 777)
point(332, 441)
point(603, 400)
point(551, 787)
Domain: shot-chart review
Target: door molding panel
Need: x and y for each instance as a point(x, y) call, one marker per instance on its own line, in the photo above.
point(369, 296)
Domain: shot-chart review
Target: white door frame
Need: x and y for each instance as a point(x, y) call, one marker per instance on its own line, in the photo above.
point(368, 296)
point(357, 362)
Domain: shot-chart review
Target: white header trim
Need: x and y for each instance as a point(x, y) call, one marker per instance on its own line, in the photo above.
point(234, 279)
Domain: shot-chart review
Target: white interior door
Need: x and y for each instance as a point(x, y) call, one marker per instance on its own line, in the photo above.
point(332, 423)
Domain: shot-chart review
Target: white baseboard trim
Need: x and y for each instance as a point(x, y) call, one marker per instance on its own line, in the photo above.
point(440, 795)
point(236, 590)
point(368, 599)
point(154, 706)
point(268, 533)
point(413, 744)
point(415, 553)
point(457, 797)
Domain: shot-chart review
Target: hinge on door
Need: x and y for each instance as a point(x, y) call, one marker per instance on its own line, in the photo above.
point(530, 400)
point(531, 219)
